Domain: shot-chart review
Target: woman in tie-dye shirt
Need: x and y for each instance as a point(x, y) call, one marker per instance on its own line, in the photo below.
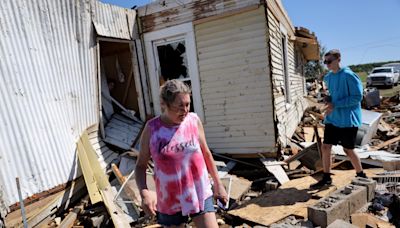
point(176, 142)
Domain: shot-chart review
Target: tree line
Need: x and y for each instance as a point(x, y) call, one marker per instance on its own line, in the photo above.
point(367, 67)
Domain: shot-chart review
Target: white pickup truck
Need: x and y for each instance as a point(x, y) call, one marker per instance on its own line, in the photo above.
point(384, 76)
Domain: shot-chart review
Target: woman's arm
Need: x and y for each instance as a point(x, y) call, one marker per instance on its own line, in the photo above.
point(219, 189)
point(149, 200)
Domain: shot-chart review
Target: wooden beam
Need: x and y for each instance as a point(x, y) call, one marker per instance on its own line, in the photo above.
point(121, 179)
point(88, 174)
point(386, 143)
point(46, 207)
point(97, 181)
point(305, 40)
point(368, 220)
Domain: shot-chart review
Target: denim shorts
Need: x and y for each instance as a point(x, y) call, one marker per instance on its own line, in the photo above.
point(178, 218)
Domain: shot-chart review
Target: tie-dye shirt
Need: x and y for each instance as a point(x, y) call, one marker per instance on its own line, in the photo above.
point(181, 174)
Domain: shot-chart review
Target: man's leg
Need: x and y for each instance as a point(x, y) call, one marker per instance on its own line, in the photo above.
point(355, 160)
point(348, 143)
point(326, 164)
point(326, 157)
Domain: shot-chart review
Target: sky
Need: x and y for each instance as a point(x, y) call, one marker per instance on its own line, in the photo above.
point(365, 31)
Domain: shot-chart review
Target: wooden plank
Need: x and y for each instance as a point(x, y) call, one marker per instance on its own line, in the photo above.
point(88, 174)
point(309, 134)
point(97, 181)
point(391, 165)
point(276, 169)
point(138, 84)
point(119, 218)
point(369, 220)
point(239, 186)
point(70, 219)
point(278, 205)
point(127, 188)
point(143, 78)
point(386, 143)
point(46, 207)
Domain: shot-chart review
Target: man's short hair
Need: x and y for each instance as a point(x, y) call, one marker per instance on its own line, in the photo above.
point(334, 52)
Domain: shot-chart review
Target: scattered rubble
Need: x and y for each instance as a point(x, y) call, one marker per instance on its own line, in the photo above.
point(263, 191)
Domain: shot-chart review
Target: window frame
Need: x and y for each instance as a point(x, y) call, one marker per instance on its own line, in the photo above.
point(164, 36)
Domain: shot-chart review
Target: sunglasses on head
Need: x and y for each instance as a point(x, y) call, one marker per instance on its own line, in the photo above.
point(329, 61)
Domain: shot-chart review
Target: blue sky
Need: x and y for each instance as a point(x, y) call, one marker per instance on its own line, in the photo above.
point(364, 30)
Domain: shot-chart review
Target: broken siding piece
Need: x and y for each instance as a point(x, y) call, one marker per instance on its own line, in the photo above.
point(276, 169)
point(113, 21)
point(97, 182)
point(122, 131)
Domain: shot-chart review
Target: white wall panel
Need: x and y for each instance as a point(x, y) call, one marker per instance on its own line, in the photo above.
point(288, 115)
point(235, 83)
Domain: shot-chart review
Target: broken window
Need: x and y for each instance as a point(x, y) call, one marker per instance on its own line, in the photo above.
point(173, 63)
point(171, 54)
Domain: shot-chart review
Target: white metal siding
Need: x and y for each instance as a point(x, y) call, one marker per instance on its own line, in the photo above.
point(114, 21)
point(288, 115)
point(48, 92)
point(235, 83)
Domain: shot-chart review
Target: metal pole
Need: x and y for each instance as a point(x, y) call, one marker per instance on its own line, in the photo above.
point(21, 202)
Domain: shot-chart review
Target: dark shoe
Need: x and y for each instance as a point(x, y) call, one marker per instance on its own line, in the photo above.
point(361, 174)
point(325, 181)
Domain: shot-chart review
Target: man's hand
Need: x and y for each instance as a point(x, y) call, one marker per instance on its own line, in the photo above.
point(149, 202)
point(328, 108)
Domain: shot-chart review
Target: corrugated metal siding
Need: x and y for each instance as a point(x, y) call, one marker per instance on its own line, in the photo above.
point(114, 21)
point(48, 94)
point(159, 15)
point(288, 116)
point(235, 84)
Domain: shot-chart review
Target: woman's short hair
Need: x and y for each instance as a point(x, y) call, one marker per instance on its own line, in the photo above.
point(171, 88)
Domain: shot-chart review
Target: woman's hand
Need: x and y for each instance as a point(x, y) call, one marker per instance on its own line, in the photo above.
point(220, 193)
point(149, 202)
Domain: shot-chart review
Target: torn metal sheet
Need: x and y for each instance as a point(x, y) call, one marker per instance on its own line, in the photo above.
point(113, 21)
point(370, 121)
point(368, 157)
point(276, 169)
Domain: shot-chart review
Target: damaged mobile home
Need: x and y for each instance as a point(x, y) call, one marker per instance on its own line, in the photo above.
point(70, 65)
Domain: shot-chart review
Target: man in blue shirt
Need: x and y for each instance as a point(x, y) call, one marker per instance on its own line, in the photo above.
point(342, 115)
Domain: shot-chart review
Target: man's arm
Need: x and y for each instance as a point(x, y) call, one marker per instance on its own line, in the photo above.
point(356, 92)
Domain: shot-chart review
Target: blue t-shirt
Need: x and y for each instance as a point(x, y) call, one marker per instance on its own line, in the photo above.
point(346, 91)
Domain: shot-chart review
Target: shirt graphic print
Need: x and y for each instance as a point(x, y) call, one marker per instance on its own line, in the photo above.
point(180, 171)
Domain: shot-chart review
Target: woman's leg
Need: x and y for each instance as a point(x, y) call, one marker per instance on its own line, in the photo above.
point(206, 220)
